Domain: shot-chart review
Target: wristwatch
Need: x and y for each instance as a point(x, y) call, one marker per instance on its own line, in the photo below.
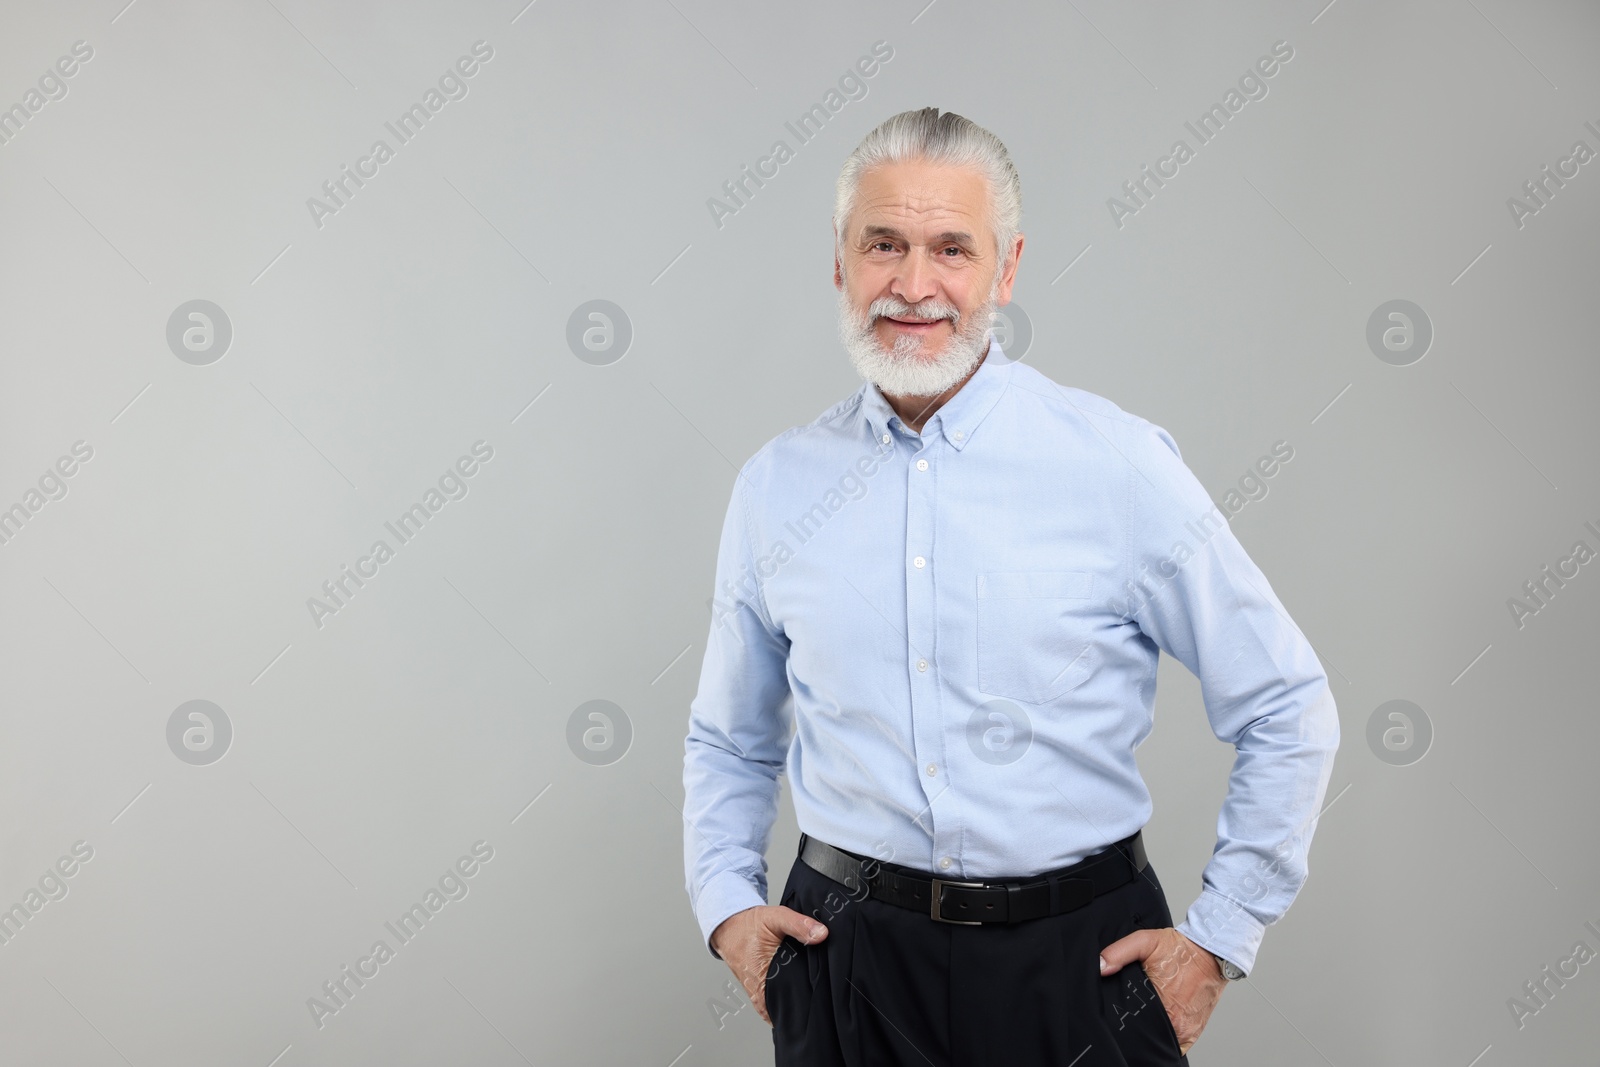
point(1229, 971)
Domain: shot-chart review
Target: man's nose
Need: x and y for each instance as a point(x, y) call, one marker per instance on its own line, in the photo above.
point(914, 282)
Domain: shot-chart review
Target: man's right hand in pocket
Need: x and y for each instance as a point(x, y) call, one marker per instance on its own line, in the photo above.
point(748, 940)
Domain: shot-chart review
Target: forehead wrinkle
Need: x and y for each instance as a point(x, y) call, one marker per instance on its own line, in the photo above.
point(919, 207)
point(913, 220)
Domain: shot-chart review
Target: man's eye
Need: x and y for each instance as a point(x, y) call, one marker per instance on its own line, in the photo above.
point(952, 248)
point(883, 245)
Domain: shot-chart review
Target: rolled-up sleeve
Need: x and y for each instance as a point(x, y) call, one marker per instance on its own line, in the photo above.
point(1202, 600)
point(739, 725)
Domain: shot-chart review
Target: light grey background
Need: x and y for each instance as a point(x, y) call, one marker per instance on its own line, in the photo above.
point(429, 313)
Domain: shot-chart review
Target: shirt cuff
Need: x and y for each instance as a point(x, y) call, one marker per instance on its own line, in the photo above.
point(1224, 928)
point(728, 893)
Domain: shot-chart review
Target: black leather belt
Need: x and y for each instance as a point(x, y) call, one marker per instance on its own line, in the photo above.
point(979, 903)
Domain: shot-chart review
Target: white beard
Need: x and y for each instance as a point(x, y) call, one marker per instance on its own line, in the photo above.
point(904, 370)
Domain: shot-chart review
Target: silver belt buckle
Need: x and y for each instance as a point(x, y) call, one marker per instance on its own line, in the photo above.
point(933, 909)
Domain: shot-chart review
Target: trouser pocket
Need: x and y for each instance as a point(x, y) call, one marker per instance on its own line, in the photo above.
point(1138, 1018)
point(1132, 1010)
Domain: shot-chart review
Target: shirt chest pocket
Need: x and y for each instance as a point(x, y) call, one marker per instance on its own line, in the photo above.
point(1034, 641)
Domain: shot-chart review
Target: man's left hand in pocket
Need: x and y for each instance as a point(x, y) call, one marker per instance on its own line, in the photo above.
point(1186, 977)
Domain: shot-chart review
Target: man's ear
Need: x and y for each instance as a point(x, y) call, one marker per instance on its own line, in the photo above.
point(1008, 276)
point(838, 268)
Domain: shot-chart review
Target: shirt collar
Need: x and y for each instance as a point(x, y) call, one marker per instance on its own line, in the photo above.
point(960, 416)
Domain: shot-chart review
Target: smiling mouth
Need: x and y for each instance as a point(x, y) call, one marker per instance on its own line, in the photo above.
point(917, 325)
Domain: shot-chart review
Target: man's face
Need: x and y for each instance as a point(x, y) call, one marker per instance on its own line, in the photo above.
point(918, 276)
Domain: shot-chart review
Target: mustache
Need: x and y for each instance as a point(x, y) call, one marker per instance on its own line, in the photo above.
point(929, 310)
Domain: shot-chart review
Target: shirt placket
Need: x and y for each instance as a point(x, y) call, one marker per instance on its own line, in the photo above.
point(921, 633)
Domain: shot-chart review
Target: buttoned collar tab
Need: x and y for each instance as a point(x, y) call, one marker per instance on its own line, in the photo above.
point(877, 412)
point(963, 413)
point(958, 420)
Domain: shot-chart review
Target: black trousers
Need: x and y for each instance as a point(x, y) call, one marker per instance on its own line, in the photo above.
point(890, 986)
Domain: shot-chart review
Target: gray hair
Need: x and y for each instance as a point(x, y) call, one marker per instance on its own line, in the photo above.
point(925, 134)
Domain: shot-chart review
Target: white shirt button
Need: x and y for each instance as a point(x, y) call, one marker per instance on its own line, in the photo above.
point(922, 464)
point(922, 664)
point(919, 562)
point(933, 769)
point(959, 435)
point(944, 863)
point(885, 438)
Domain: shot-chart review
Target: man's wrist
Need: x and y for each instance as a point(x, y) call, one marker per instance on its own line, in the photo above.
point(719, 931)
point(725, 895)
point(1219, 925)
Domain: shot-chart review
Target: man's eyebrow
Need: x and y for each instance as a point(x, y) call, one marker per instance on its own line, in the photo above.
point(960, 237)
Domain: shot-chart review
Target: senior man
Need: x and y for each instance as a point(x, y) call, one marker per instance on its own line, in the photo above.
point(939, 608)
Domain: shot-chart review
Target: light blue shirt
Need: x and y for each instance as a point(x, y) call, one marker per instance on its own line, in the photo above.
point(948, 641)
